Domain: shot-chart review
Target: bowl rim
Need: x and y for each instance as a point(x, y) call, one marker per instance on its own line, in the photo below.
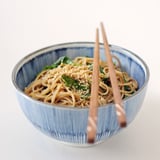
point(43, 50)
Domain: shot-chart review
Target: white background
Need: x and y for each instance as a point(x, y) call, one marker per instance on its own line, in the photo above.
point(28, 25)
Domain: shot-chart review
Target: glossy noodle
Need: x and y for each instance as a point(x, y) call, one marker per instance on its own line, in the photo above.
point(68, 83)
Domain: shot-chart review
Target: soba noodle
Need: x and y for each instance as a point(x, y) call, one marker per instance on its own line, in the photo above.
point(68, 83)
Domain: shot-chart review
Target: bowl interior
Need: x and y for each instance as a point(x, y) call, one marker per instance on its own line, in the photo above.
point(27, 69)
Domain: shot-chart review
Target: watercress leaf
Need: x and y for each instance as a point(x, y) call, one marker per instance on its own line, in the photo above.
point(67, 60)
point(63, 59)
point(73, 83)
point(70, 82)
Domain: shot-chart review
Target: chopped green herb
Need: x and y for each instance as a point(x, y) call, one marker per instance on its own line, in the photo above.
point(101, 69)
point(70, 82)
point(64, 59)
point(85, 96)
point(127, 88)
point(107, 81)
point(91, 68)
point(50, 67)
point(75, 84)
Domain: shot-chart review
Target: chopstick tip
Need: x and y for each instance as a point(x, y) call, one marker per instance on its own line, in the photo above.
point(123, 124)
point(91, 140)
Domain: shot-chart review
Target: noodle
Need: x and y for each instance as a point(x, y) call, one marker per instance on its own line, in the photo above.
point(68, 83)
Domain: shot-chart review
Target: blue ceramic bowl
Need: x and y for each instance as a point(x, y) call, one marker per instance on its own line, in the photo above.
point(69, 124)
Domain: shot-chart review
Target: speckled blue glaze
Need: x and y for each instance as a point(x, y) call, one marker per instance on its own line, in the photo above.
point(69, 124)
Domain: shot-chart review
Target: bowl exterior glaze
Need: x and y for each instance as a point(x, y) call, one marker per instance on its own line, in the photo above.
point(68, 124)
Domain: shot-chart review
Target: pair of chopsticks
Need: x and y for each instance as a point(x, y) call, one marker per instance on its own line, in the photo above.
point(92, 117)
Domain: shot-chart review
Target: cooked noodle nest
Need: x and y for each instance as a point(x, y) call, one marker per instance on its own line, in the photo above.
point(69, 84)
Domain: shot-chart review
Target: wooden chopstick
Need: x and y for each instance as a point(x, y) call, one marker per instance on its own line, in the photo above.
point(92, 116)
point(116, 92)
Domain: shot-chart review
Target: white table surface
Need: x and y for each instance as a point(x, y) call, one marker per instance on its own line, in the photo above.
point(28, 25)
